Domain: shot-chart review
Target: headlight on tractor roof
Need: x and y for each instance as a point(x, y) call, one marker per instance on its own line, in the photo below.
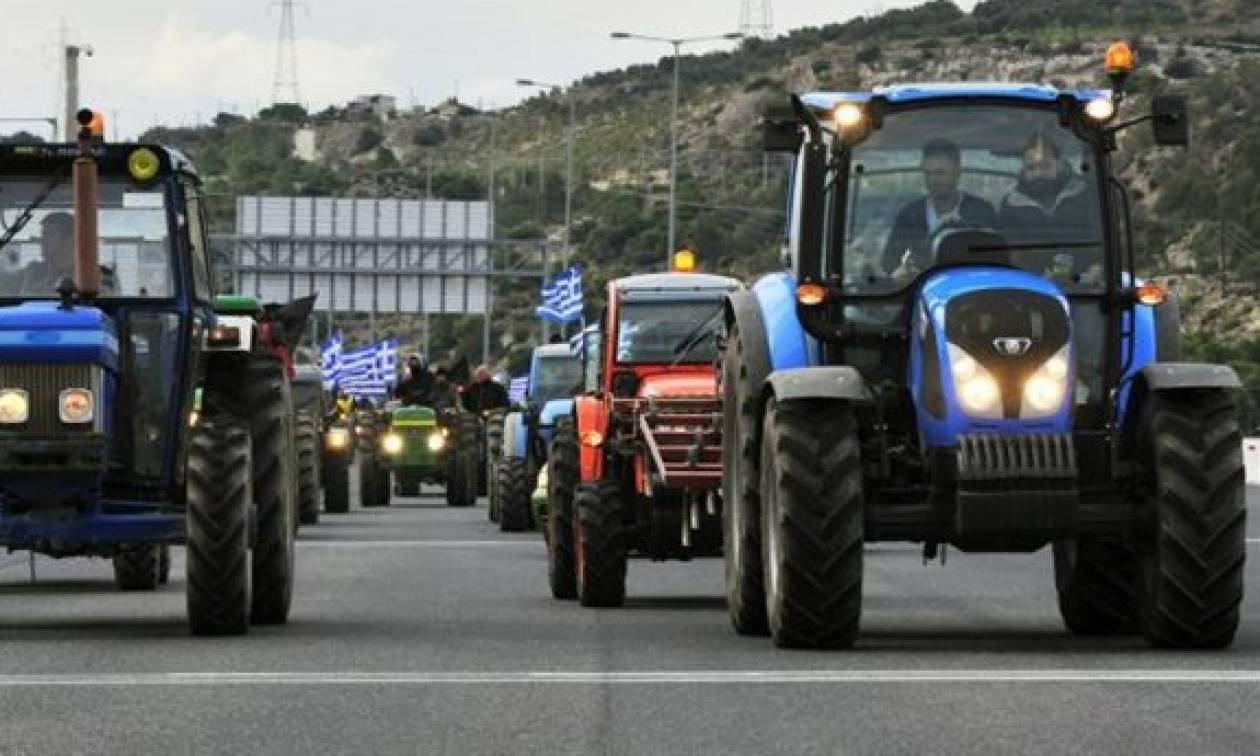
point(15, 407)
point(392, 443)
point(75, 406)
point(143, 165)
point(437, 441)
point(1101, 109)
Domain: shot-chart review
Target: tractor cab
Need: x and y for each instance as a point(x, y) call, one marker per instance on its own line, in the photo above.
point(95, 348)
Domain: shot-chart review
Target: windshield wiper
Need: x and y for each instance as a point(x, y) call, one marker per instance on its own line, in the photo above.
point(685, 344)
point(28, 212)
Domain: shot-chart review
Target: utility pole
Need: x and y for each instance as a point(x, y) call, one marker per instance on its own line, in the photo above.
point(72, 54)
point(284, 87)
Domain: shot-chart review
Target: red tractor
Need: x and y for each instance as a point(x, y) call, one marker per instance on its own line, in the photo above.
point(637, 468)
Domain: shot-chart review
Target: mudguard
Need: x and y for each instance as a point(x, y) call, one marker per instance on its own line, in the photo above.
point(788, 345)
point(1172, 376)
point(592, 417)
point(836, 382)
point(551, 411)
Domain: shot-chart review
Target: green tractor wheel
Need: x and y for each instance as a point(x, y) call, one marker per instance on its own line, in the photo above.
point(337, 484)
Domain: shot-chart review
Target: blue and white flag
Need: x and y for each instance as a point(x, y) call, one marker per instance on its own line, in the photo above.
point(576, 343)
point(562, 297)
point(517, 388)
point(330, 361)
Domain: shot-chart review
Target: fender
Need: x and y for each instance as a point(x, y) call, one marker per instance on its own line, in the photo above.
point(1172, 376)
point(514, 436)
point(591, 413)
point(788, 346)
point(836, 382)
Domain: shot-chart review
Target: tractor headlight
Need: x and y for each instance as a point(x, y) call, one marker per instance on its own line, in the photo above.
point(437, 442)
point(15, 407)
point(392, 443)
point(1046, 388)
point(337, 439)
point(75, 406)
point(977, 390)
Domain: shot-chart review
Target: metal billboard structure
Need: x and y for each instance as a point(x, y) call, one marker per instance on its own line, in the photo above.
point(375, 256)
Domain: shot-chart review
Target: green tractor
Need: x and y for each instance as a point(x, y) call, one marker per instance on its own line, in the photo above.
point(421, 444)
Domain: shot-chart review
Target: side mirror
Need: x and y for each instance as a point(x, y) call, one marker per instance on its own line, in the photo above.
point(780, 131)
point(1170, 121)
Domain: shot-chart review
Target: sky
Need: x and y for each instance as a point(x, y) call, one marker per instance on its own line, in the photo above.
point(178, 62)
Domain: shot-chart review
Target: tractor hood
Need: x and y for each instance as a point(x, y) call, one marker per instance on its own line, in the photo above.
point(678, 385)
point(415, 416)
point(992, 352)
point(44, 333)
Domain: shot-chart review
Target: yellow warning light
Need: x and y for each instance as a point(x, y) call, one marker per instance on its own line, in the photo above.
point(684, 261)
point(1120, 60)
point(143, 164)
point(811, 294)
point(97, 125)
point(1150, 294)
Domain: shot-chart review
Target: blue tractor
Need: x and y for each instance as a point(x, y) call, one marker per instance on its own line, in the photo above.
point(961, 353)
point(108, 329)
point(555, 376)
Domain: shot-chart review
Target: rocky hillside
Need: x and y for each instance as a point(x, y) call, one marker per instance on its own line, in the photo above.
point(1198, 213)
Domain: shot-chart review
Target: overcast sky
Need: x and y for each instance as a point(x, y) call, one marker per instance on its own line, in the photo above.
point(178, 62)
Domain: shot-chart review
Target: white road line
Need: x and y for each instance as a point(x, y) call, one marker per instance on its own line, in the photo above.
point(414, 543)
point(198, 679)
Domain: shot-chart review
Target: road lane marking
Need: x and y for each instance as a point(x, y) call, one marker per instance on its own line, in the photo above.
point(417, 542)
point(199, 679)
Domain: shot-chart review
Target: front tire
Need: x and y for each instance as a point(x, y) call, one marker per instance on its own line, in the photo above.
point(371, 491)
point(562, 474)
point(514, 495)
point(461, 476)
point(1095, 579)
point(337, 484)
point(812, 523)
point(1191, 571)
point(494, 451)
point(599, 545)
point(138, 568)
point(741, 497)
point(308, 471)
point(219, 496)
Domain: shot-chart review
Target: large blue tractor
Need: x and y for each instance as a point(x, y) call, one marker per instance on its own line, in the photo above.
point(107, 329)
point(961, 353)
point(555, 373)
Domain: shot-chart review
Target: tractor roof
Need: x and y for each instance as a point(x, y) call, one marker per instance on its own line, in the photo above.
point(39, 157)
point(899, 94)
point(554, 350)
point(675, 282)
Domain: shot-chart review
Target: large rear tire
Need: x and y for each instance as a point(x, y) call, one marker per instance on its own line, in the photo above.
point(741, 497)
point(812, 523)
point(514, 495)
point(337, 484)
point(494, 451)
point(599, 545)
point(1095, 579)
point(562, 474)
point(1191, 570)
point(219, 495)
point(309, 490)
point(461, 476)
point(371, 492)
point(138, 568)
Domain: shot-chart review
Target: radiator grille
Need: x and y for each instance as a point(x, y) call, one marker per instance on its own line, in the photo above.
point(43, 384)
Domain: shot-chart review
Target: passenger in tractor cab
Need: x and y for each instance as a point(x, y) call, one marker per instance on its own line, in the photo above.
point(1050, 200)
point(484, 395)
point(944, 206)
point(418, 385)
point(443, 394)
point(41, 277)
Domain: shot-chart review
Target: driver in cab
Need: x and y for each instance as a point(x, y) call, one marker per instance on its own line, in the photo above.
point(945, 206)
point(41, 277)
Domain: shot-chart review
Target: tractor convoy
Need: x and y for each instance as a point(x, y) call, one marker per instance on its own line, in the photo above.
point(958, 353)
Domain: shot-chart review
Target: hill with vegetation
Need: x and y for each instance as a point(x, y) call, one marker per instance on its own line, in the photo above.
point(1197, 213)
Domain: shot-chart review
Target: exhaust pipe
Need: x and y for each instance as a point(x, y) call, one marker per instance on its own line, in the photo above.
point(87, 269)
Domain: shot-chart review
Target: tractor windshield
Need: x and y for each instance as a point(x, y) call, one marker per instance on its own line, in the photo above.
point(135, 257)
point(1010, 170)
point(649, 332)
point(558, 378)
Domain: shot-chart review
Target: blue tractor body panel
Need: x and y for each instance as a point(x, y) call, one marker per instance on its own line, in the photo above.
point(902, 94)
point(790, 346)
point(42, 333)
point(516, 436)
point(937, 291)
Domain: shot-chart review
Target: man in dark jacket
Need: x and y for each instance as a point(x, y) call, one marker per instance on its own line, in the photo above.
point(485, 393)
point(944, 206)
point(417, 387)
point(1051, 201)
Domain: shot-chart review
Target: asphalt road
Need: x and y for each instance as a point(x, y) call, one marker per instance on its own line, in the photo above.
point(422, 629)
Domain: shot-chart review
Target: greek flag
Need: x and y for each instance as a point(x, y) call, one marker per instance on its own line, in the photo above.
point(517, 389)
point(330, 361)
point(562, 297)
point(369, 370)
